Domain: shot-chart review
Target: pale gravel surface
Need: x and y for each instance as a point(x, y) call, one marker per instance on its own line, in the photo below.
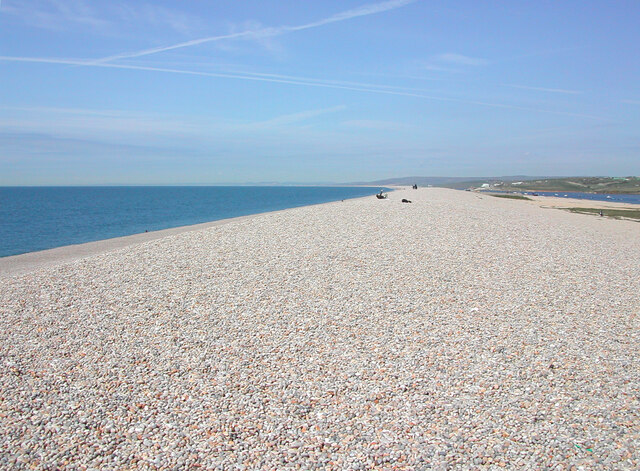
point(457, 332)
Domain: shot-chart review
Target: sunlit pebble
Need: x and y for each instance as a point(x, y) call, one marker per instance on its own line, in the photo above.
point(451, 332)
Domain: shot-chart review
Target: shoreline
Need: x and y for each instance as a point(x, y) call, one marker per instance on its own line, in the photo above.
point(559, 202)
point(19, 264)
point(23, 263)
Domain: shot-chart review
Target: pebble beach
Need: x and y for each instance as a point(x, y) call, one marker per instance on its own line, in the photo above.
point(460, 331)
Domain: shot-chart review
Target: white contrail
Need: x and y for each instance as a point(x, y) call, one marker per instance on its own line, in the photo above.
point(541, 89)
point(293, 81)
point(364, 10)
point(269, 32)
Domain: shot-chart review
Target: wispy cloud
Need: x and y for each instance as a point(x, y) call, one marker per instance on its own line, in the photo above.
point(541, 89)
point(437, 68)
point(115, 126)
point(269, 43)
point(343, 83)
point(131, 128)
point(103, 17)
point(262, 33)
point(294, 81)
point(295, 117)
point(35, 143)
point(378, 125)
point(459, 59)
point(55, 15)
point(451, 62)
point(364, 10)
point(258, 77)
point(157, 16)
point(541, 53)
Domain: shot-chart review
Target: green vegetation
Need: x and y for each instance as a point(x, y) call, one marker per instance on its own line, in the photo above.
point(621, 185)
point(512, 197)
point(579, 184)
point(633, 214)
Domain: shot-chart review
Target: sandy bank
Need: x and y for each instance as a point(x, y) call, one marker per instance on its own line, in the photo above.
point(553, 202)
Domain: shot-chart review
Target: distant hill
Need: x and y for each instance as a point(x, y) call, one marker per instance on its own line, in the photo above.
point(448, 182)
point(629, 185)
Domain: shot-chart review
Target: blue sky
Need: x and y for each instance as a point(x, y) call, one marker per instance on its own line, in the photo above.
point(207, 92)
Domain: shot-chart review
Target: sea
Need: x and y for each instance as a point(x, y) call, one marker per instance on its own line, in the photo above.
point(615, 198)
point(39, 218)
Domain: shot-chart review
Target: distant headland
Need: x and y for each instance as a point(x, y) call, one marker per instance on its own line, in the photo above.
point(613, 185)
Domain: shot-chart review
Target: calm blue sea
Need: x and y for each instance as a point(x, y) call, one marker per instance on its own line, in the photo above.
point(38, 218)
point(630, 199)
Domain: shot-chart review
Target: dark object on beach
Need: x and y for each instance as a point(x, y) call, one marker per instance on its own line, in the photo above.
point(415, 187)
point(405, 200)
point(600, 213)
point(381, 196)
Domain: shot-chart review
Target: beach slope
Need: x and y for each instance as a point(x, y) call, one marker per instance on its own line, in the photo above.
point(459, 330)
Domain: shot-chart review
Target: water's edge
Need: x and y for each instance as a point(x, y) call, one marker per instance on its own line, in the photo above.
point(44, 218)
point(25, 262)
point(626, 198)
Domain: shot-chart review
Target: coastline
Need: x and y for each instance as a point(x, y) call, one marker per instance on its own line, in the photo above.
point(364, 334)
point(23, 263)
point(26, 262)
point(83, 215)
